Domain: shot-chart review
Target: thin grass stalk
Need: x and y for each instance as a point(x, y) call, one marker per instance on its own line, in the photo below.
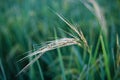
point(2, 69)
point(118, 53)
point(60, 60)
point(40, 70)
point(106, 59)
point(96, 10)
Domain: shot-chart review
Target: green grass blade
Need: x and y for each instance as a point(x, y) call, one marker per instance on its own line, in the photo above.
point(40, 70)
point(61, 64)
point(61, 60)
point(96, 50)
point(106, 58)
point(31, 74)
point(2, 69)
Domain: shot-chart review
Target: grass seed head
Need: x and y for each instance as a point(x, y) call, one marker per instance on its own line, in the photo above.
point(56, 44)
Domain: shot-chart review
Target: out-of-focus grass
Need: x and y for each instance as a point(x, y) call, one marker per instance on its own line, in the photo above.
point(29, 22)
point(2, 72)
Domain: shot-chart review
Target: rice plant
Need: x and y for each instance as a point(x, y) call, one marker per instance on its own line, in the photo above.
point(65, 39)
point(57, 44)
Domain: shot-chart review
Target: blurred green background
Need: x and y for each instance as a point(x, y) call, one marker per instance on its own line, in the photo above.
point(25, 23)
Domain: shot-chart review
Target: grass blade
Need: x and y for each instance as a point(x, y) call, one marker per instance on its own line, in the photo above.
point(40, 70)
point(2, 69)
point(61, 60)
point(106, 58)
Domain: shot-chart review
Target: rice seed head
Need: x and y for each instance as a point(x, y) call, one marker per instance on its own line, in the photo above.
point(56, 44)
point(80, 34)
point(51, 46)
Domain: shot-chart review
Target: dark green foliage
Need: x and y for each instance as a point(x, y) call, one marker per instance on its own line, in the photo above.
point(25, 23)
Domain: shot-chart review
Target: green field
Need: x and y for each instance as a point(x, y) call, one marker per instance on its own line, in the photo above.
point(27, 26)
